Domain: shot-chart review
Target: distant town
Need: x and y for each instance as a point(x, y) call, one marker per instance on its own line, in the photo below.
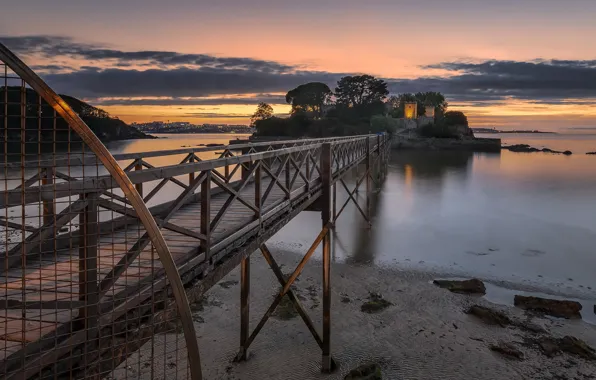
point(494, 130)
point(186, 127)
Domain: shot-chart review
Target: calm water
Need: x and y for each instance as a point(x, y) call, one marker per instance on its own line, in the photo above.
point(527, 218)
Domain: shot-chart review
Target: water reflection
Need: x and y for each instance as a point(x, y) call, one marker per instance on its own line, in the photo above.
point(364, 237)
point(411, 167)
point(474, 214)
point(431, 164)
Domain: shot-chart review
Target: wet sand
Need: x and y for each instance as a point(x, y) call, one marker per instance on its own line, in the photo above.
point(424, 334)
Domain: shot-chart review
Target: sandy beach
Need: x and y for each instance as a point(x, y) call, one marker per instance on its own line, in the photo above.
point(424, 334)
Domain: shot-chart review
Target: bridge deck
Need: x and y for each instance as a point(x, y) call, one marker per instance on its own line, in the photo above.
point(47, 293)
point(57, 279)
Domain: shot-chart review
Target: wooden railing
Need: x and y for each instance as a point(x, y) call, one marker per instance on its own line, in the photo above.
point(259, 187)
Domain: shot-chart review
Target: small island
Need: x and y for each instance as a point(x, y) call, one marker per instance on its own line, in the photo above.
point(361, 105)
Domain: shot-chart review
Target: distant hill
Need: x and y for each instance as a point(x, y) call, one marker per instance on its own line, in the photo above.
point(50, 132)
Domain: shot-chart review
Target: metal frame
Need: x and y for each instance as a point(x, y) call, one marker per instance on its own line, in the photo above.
point(143, 214)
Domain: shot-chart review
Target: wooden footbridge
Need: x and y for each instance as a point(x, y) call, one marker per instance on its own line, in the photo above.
point(102, 255)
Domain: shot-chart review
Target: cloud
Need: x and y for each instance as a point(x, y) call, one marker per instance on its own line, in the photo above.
point(494, 80)
point(178, 82)
point(209, 80)
point(52, 46)
point(267, 98)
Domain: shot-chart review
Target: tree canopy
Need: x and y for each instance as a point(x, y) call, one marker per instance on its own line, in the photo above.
point(423, 99)
point(359, 90)
point(309, 98)
point(431, 98)
point(47, 134)
point(455, 118)
point(264, 111)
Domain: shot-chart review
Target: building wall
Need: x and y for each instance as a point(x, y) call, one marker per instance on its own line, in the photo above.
point(425, 120)
point(410, 110)
point(429, 111)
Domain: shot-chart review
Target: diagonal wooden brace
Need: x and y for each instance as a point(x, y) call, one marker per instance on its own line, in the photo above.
point(287, 285)
point(299, 308)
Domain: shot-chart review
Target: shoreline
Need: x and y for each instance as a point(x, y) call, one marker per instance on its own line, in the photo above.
point(423, 334)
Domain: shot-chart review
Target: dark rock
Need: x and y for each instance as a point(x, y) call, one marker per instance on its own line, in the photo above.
point(525, 148)
point(549, 347)
point(371, 371)
point(591, 153)
point(473, 286)
point(227, 284)
point(489, 316)
point(531, 327)
point(345, 299)
point(568, 344)
point(375, 304)
point(210, 145)
point(521, 148)
point(577, 347)
point(508, 350)
point(555, 308)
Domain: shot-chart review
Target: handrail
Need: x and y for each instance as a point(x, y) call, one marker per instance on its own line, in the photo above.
point(34, 194)
point(76, 160)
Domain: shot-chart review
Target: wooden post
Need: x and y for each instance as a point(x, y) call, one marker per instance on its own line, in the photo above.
point(191, 176)
point(378, 159)
point(88, 278)
point(288, 178)
point(227, 168)
point(335, 203)
point(139, 186)
point(258, 189)
point(244, 306)
point(326, 177)
point(244, 170)
point(206, 213)
point(49, 207)
point(308, 173)
point(368, 176)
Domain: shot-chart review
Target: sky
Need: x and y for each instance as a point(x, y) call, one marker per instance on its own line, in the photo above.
point(508, 64)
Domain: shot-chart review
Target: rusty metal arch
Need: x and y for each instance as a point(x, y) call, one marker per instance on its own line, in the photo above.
point(123, 181)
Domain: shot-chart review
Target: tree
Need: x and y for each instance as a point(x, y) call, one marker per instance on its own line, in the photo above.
point(423, 99)
point(401, 100)
point(431, 98)
point(309, 98)
point(360, 90)
point(264, 111)
point(393, 102)
point(455, 118)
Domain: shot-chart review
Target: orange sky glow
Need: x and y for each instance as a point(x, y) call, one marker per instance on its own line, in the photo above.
point(333, 37)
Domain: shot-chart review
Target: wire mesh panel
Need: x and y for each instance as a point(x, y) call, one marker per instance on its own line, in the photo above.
point(85, 293)
point(92, 280)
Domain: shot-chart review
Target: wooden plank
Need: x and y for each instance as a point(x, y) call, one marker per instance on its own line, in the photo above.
point(8, 347)
point(24, 330)
point(33, 240)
